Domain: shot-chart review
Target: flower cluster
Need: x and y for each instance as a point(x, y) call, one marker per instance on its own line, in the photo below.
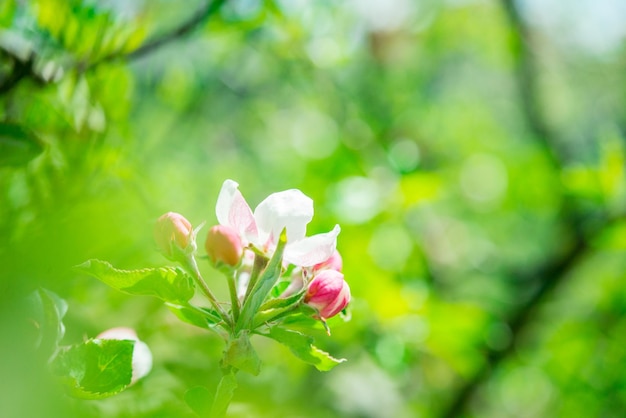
point(281, 282)
point(244, 235)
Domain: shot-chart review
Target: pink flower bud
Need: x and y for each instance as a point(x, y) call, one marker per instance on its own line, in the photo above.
point(172, 229)
point(223, 245)
point(328, 292)
point(334, 262)
point(142, 357)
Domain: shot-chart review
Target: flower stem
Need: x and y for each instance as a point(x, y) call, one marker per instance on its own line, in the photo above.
point(260, 261)
point(234, 300)
point(192, 266)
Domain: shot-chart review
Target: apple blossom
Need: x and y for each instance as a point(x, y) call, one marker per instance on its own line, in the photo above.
point(223, 245)
point(142, 357)
point(334, 262)
point(172, 229)
point(290, 209)
point(328, 292)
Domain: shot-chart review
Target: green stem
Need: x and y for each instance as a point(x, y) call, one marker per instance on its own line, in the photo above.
point(224, 394)
point(288, 311)
point(234, 300)
point(260, 261)
point(192, 266)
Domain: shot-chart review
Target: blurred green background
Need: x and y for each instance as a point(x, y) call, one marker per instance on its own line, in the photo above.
point(471, 150)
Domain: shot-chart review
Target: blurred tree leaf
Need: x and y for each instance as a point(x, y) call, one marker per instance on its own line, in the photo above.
point(240, 354)
point(87, 29)
point(302, 346)
point(17, 145)
point(48, 312)
point(612, 175)
point(199, 400)
point(171, 284)
point(96, 368)
point(7, 10)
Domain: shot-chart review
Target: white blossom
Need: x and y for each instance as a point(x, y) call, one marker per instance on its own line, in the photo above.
point(290, 209)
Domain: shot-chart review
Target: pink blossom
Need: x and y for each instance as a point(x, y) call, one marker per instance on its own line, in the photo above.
point(172, 229)
point(223, 245)
point(290, 209)
point(328, 292)
point(334, 262)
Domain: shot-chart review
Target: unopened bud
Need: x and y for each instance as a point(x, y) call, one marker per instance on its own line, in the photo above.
point(172, 229)
point(334, 262)
point(142, 357)
point(328, 292)
point(223, 245)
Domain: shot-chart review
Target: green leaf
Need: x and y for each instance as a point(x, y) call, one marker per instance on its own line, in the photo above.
point(263, 286)
point(171, 284)
point(199, 400)
point(274, 309)
point(200, 317)
point(48, 311)
point(17, 145)
point(224, 394)
point(302, 346)
point(277, 303)
point(240, 354)
point(96, 368)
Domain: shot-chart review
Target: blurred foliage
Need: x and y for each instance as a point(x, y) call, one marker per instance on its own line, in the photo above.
point(472, 151)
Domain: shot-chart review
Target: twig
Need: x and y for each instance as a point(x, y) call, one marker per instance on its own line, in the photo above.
point(181, 31)
point(192, 267)
point(25, 69)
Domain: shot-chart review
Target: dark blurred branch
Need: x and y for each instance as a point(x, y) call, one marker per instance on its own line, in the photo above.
point(526, 68)
point(201, 15)
point(20, 71)
point(25, 69)
point(547, 277)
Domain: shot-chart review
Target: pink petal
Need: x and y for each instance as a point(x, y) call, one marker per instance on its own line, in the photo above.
point(338, 304)
point(312, 250)
point(233, 210)
point(334, 262)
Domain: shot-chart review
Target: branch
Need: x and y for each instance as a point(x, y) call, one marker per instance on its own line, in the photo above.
point(554, 272)
point(25, 69)
point(526, 77)
point(549, 276)
point(21, 70)
point(203, 13)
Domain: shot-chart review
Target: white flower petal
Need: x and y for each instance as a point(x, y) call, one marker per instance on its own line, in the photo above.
point(291, 209)
point(312, 250)
point(233, 210)
point(142, 360)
